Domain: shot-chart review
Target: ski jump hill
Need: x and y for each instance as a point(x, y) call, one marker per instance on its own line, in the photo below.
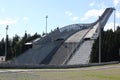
point(68, 45)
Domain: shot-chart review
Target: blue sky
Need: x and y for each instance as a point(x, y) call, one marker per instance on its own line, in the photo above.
point(29, 15)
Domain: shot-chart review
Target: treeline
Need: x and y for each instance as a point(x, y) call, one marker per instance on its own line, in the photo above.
point(110, 45)
point(16, 45)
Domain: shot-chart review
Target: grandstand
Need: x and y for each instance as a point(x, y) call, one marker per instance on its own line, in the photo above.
point(68, 45)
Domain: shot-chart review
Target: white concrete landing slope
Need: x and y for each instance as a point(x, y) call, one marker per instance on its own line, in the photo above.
point(92, 32)
point(82, 54)
point(70, 44)
point(67, 48)
point(77, 36)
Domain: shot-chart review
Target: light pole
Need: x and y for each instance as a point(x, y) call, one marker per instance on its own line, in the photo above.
point(114, 18)
point(99, 40)
point(6, 43)
point(46, 23)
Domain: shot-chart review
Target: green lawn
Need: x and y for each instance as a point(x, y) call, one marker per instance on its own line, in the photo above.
point(109, 72)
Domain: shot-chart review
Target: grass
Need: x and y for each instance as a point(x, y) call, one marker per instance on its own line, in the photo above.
point(90, 73)
point(82, 75)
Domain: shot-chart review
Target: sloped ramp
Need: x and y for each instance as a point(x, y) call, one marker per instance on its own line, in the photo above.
point(37, 54)
point(82, 54)
point(67, 48)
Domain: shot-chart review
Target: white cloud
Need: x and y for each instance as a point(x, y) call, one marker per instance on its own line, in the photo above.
point(118, 14)
point(102, 5)
point(92, 13)
point(75, 18)
point(8, 21)
point(2, 10)
point(26, 18)
point(69, 13)
point(110, 26)
point(71, 16)
point(116, 2)
point(92, 4)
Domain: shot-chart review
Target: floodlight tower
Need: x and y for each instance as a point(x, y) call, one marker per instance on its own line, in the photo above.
point(114, 18)
point(46, 23)
point(6, 43)
point(99, 40)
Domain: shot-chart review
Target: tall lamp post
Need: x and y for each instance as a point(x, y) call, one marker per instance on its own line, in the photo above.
point(46, 23)
point(114, 18)
point(99, 40)
point(6, 43)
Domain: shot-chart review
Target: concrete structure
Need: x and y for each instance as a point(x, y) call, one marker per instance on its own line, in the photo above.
point(82, 55)
point(68, 45)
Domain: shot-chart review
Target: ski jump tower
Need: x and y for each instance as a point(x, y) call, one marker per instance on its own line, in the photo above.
point(68, 45)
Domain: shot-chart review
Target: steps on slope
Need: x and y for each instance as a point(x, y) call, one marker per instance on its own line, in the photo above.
point(67, 48)
point(82, 54)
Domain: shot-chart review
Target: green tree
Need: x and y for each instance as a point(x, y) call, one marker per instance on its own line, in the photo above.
point(16, 45)
point(2, 47)
point(110, 47)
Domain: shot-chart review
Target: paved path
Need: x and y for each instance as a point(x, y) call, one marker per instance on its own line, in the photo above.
point(60, 70)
